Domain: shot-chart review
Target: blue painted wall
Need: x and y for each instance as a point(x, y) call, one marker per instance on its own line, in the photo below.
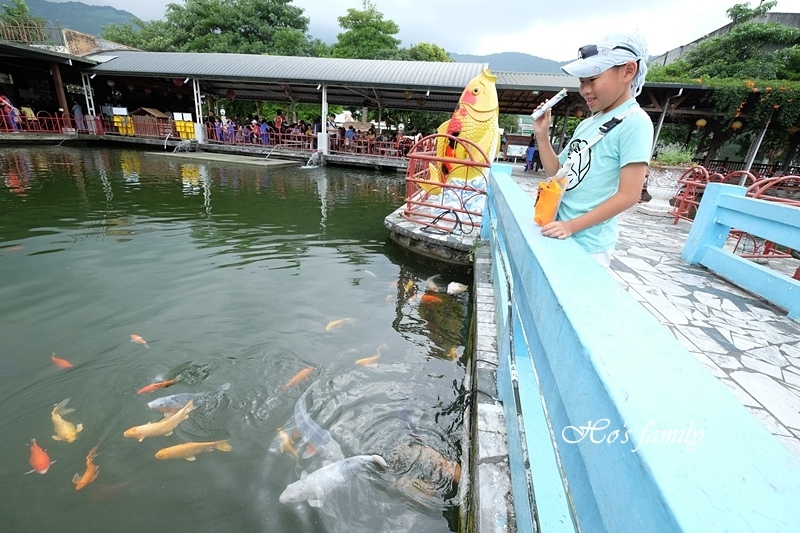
point(694, 458)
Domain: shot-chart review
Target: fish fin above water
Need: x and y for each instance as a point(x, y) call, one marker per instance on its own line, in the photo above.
point(78, 428)
point(76, 478)
point(380, 460)
point(224, 446)
point(191, 458)
point(59, 408)
point(56, 437)
point(167, 434)
point(313, 502)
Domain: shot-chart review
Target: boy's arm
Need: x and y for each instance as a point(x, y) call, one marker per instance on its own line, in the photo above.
point(547, 156)
point(631, 179)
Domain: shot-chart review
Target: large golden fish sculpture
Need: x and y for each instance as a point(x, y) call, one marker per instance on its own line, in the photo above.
point(475, 119)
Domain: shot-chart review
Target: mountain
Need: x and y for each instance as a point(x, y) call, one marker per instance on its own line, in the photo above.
point(512, 62)
point(77, 15)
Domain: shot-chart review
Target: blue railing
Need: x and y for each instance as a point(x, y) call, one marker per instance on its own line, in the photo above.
point(612, 424)
point(725, 207)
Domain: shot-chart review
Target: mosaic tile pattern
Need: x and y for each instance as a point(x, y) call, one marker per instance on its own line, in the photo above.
point(749, 345)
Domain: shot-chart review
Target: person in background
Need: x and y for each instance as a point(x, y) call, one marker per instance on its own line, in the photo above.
point(608, 178)
point(7, 113)
point(279, 120)
point(530, 154)
point(77, 113)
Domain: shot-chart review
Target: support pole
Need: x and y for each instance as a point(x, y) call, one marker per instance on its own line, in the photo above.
point(198, 101)
point(62, 97)
point(756, 145)
point(661, 121)
point(322, 136)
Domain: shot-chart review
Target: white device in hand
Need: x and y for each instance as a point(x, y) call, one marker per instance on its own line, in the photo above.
point(560, 95)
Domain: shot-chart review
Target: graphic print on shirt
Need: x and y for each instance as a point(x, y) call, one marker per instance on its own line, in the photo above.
point(581, 164)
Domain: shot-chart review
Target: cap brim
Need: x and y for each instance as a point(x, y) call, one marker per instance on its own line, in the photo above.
point(589, 67)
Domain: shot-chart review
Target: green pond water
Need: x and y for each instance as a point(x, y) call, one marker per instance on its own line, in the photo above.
point(231, 274)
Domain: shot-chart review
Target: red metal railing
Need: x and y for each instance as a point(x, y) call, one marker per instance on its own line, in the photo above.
point(438, 203)
point(783, 189)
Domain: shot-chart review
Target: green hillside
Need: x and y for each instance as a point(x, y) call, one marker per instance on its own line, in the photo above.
point(77, 15)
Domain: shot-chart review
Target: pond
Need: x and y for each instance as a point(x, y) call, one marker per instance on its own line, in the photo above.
point(274, 296)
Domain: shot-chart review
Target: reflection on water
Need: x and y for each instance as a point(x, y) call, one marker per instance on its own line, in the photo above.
point(230, 274)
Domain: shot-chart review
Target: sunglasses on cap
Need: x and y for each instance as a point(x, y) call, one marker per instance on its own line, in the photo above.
point(590, 50)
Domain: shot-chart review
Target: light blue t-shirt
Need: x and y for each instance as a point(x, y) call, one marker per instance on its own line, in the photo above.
point(595, 176)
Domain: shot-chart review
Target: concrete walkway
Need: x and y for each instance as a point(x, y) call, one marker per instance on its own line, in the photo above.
point(749, 345)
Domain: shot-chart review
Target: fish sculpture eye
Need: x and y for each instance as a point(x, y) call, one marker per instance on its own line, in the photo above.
point(476, 90)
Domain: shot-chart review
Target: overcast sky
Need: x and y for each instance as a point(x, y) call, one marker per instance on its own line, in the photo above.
point(553, 30)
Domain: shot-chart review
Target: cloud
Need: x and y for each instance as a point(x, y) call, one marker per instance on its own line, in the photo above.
point(485, 27)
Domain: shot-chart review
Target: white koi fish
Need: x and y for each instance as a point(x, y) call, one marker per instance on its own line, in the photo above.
point(314, 487)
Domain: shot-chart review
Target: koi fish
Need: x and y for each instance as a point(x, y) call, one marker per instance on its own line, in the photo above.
point(476, 119)
point(59, 362)
point(430, 299)
point(39, 460)
point(138, 340)
point(171, 404)
point(284, 444)
point(452, 353)
point(66, 431)
point(91, 471)
point(162, 427)
point(314, 487)
point(368, 361)
point(456, 288)
point(300, 376)
point(336, 324)
point(430, 284)
point(409, 286)
point(188, 450)
point(320, 440)
point(159, 385)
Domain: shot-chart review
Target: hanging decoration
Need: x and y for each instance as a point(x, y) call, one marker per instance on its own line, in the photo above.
point(178, 82)
point(701, 123)
point(231, 94)
point(147, 90)
point(736, 124)
point(111, 83)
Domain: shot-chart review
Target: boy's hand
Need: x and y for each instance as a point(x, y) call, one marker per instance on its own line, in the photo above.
point(541, 126)
point(559, 229)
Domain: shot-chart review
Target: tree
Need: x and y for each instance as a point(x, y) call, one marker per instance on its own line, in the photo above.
point(427, 52)
point(20, 25)
point(233, 26)
point(754, 72)
point(367, 35)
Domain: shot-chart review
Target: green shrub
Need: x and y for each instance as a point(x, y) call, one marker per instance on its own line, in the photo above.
point(672, 155)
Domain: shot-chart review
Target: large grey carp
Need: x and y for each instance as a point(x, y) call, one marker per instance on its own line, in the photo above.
point(172, 404)
point(314, 487)
point(320, 439)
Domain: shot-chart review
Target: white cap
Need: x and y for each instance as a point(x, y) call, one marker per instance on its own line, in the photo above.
point(222, 112)
point(611, 50)
point(401, 126)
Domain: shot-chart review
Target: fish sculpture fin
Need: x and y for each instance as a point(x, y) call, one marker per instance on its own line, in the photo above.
point(191, 458)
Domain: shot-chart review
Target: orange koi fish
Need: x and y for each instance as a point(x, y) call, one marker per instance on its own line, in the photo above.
point(300, 376)
point(452, 354)
point(162, 427)
point(368, 361)
point(91, 471)
point(138, 340)
point(336, 324)
point(159, 385)
point(188, 450)
point(59, 362)
point(40, 461)
point(430, 299)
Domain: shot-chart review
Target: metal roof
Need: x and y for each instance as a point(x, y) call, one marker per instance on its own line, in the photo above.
point(25, 51)
point(403, 85)
point(315, 70)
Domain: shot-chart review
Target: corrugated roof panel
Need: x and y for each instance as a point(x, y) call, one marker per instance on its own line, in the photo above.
point(529, 80)
point(293, 69)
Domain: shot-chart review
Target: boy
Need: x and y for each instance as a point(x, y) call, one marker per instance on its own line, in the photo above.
point(608, 178)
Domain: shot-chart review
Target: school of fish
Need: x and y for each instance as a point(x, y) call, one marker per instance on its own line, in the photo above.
point(336, 471)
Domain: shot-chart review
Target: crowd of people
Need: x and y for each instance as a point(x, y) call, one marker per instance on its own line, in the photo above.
point(259, 130)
